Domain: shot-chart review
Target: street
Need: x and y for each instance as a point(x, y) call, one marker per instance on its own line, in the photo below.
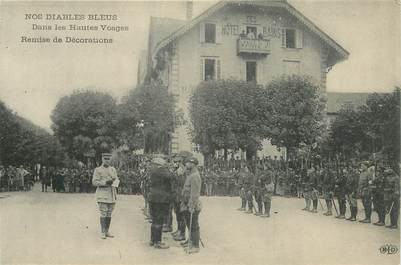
point(62, 228)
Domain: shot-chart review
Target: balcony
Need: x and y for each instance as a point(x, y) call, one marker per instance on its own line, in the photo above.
point(253, 46)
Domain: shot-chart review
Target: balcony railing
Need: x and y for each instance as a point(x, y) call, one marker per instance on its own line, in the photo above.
point(254, 46)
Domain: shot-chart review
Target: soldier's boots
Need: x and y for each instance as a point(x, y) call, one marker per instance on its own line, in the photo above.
point(249, 211)
point(179, 237)
point(192, 250)
point(161, 245)
point(108, 221)
point(379, 223)
point(365, 221)
point(328, 213)
point(392, 226)
point(103, 227)
point(340, 216)
point(258, 213)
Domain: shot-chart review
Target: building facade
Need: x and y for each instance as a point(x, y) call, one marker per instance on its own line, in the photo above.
point(254, 41)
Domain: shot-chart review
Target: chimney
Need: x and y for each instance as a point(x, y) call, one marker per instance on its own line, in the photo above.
point(189, 10)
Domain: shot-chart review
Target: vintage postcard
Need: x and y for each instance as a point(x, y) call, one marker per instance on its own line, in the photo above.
point(200, 132)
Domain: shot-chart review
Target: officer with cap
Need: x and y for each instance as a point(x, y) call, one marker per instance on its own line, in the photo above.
point(159, 199)
point(106, 193)
point(377, 188)
point(191, 205)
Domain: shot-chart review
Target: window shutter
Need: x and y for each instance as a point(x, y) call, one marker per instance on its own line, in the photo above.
point(299, 39)
point(283, 38)
point(218, 32)
point(202, 67)
point(202, 32)
point(218, 69)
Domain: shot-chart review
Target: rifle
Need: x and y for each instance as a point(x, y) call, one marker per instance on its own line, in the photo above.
point(334, 204)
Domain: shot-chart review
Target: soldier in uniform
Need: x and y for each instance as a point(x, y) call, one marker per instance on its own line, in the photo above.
point(340, 191)
point(106, 193)
point(328, 190)
point(257, 192)
point(352, 192)
point(392, 196)
point(179, 172)
point(191, 205)
point(306, 189)
point(313, 183)
point(249, 189)
point(377, 188)
point(267, 195)
point(160, 197)
point(365, 177)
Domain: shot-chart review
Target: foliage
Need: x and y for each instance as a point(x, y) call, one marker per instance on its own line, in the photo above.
point(297, 112)
point(228, 114)
point(150, 112)
point(22, 142)
point(85, 121)
point(371, 128)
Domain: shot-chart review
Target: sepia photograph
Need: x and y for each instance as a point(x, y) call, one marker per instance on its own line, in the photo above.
point(200, 132)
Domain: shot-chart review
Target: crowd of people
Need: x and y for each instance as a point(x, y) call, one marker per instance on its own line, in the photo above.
point(378, 186)
point(16, 178)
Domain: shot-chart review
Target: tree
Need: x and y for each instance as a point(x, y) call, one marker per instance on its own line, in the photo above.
point(150, 117)
point(347, 133)
point(87, 118)
point(228, 114)
point(297, 112)
point(22, 142)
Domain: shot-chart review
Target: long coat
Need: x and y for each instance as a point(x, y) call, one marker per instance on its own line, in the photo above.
point(105, 193)
point(191, 192)
point(160, 183)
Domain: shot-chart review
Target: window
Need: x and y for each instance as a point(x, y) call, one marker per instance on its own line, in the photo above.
point(210, 33)
point(251, 71)
point(210, 69)
point(290, 38)
point(251, 32)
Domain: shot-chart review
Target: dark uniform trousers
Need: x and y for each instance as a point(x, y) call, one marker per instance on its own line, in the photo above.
point(394, 210)
point(179, 218)
point(379, 206)
point(367, 202)
point(195, 236)
point(158, 211)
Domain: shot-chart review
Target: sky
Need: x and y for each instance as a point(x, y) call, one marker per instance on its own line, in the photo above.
point(34, 76)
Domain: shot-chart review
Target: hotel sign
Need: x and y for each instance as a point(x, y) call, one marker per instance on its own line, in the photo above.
point(255, 46)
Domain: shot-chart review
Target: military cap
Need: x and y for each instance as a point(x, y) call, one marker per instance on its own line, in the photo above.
point(106, 156)
point(388, 171)
point(192, 159)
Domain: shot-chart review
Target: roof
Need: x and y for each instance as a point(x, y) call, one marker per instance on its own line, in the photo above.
point(342, 54)
point(336, 100)
point(161, 28)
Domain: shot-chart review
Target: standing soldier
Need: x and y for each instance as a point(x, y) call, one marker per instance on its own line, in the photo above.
point(377, 187)
point(267, 195)
point(339, 191)
point(352, 192)
point(313, 184)
point(159, 199)
point(106, 193)
point(306, 189)
point(191, 205)
point(248, 189)
point(328, 189)
point(44, 177)
point(365, 177)
point(392, 196)
point(257, 191)
point(180, 175)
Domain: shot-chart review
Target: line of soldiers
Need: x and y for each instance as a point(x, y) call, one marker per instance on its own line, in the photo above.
point(15, 178)
point(378, 187)
point(173, 186)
